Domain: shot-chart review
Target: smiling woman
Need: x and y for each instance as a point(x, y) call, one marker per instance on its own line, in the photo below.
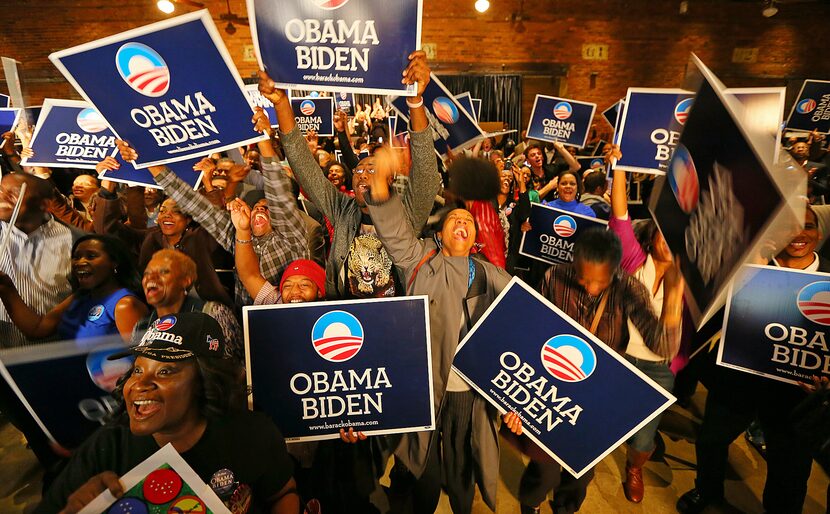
point(188, 395)
point(104, 301)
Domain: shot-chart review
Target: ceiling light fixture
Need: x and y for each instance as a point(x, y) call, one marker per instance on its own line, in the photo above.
point(482, 5)
point(770, 9)
point(166, 6)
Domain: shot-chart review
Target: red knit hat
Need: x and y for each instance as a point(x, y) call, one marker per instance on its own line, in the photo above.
point(309, 269)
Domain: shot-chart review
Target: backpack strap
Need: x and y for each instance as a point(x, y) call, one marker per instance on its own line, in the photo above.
point(427, 257)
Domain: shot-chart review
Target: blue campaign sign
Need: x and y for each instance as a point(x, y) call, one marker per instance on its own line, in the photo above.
point(345, 102)
point(811, 110)
point(610, 114)
point(66, 386)
point(169, 88)
point(70, 134)
point(775, 324)
point(8, 119)
point(466, 102)
point(553, 233)
point(577, 398)
point(314, 113)
point(364, 364)
point(336, 45)
point(590, 162)
point(477, 108)
point(126, 174)
point(717, 198)
point(257, 100)
point(559, 119)
point(650, 127)
point(5, 100)
point(453, 127)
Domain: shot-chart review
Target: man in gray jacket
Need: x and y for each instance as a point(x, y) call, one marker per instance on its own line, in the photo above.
point(461, 288)
point(358, 266)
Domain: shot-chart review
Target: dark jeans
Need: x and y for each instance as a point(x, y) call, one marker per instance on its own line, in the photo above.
point(450, 454)
point(733, 401)
point(643, 440)
point(543, 476)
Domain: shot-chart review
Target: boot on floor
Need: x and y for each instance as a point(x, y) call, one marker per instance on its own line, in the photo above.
point(633, 486)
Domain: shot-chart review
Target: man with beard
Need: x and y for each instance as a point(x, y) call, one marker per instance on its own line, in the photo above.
point(358, 265)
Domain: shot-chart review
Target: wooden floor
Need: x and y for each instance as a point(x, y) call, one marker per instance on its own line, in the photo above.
point(665, 481)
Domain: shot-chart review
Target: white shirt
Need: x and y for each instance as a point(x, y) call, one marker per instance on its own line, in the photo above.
point(39, 265)
point(636, 346)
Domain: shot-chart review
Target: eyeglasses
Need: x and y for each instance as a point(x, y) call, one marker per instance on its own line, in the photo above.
point(361, 171)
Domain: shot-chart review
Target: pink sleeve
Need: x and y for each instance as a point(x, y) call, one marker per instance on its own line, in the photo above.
point(633, 255)
point(268, 295)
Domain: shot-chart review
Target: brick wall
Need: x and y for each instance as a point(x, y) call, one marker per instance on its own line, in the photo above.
point(648, 42)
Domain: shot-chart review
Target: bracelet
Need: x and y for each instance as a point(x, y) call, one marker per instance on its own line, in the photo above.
point(415, 105)
point(243, 241)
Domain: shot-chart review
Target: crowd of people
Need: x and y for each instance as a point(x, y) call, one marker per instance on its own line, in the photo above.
point(290, 223)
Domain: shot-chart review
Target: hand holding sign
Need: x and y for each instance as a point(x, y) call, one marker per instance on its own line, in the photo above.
point(351, 436)
point(108, 164)
point(261, 121)
point(513, 422)
point(127, 152)
point(269, 89)
point(417, 71)
point(106, 481)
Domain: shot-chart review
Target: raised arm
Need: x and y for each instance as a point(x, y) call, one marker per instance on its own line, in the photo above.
point(566, 155)
point(341, 125)
point(247, 263)
point(424, 178)
point(305, 167)
point(214, 220)
point(30, 323)
point(633, 255)
point(387, 212)
point(286, 219)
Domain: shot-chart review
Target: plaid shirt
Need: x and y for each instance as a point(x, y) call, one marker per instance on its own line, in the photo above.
point(276, 249)
point(628, 299)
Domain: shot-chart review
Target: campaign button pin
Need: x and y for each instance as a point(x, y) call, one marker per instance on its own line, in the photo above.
point(222, 482)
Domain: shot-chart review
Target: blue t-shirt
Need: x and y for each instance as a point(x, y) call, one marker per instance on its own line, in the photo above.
point(89, 317)
point(574, 206)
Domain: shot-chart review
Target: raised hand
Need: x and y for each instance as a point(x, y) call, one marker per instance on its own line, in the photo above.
point(127, 152)
point(240, 215)
point(269, 90)
point(417, 71)
point(108, 164)
point(340, 120)
point(261, 121)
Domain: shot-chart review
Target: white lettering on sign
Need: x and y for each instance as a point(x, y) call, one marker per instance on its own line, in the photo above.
point(314, 33)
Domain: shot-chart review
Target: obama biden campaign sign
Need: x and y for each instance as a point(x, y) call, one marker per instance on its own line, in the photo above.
point(577, 398)
point(170, 89)
point(356, 46)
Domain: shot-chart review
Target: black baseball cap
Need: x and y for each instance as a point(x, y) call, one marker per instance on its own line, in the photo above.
point(180, 336)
